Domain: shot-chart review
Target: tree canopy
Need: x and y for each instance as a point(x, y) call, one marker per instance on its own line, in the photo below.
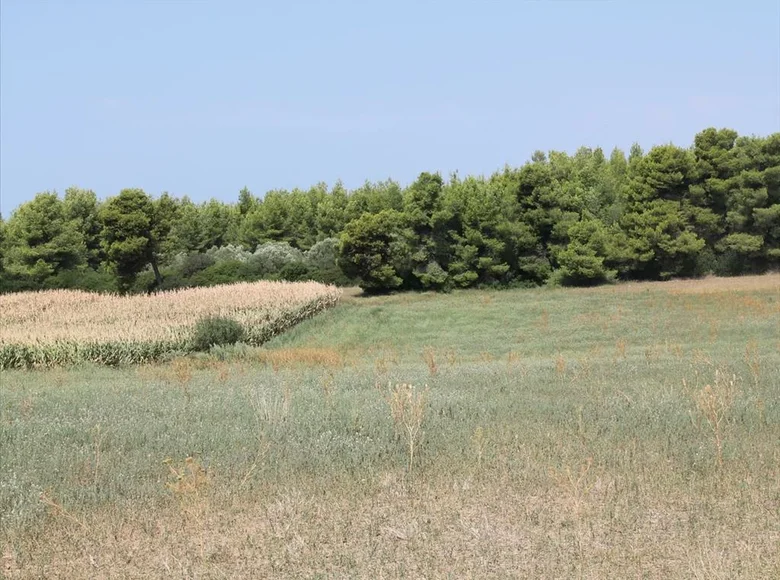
point(582, 218)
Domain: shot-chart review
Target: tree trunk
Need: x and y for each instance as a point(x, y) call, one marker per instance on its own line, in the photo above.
point(157, 276)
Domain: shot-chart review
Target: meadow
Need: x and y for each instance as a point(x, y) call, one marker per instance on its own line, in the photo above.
point(616, 432)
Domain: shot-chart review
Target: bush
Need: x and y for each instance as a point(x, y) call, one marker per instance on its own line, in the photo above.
point(706, 262)
point(294, 272)
point(216, 331)
point(271, 257)
point(322, 260)
point(323, 255)
point(229, 253)
point(223, 273)
point(82, 279)
point(195, 262)
point(434, 277)
point(10, 282)
point(145, 282)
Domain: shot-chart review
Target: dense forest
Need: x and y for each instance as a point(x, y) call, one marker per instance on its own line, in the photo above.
point(577, 219)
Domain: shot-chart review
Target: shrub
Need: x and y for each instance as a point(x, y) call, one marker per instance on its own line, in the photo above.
point(229, 253)
point(11, 282)
point(294, 272)
point(82, 278)
point(216, 331)
point(323, 255)
point(271, 257)
point(146, 283)
point(322, 260)
point(195, 262)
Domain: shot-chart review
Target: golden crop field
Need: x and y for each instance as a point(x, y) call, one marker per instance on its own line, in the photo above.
point(65, 326)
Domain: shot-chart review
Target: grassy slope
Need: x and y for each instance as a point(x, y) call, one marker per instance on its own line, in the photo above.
point(561, 438)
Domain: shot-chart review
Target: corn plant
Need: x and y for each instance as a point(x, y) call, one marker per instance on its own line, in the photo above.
point(60, 327)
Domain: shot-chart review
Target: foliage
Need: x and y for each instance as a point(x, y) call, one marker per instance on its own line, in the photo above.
point(271, 257)
point(216, 331)
point(323, 255)
point(41, 239)
point(375, 248)
point(80, 206)
point(228, 253)
point(322, 263)
point(223, 273)
point(128, 240)
point(195, 262)
point(582, 219)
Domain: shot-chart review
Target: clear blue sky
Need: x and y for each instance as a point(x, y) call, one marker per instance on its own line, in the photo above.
point(203, 97)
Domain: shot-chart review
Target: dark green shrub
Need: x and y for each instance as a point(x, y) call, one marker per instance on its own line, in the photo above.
point(294, 272)
point(195, 262)
point(216, 330)
point(144, 283)
point(10, 282)
point(81, 278)
point(223, 273)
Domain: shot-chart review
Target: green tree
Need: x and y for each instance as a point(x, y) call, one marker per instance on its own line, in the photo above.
point(246, 202)
point(487, 244)
point(218, 224)
point(166, 212)
point(302, 216)
point(767, 221)
point(81, 206)
point(185, 233)
point(422, 203)
point(2, 241)
point(331, 212)
point(268, 221)
point(4, 276)
point(374, 198)
point(128, 235)
point(714, 165)
point(585, 259)
point(375, 248)
point(41, 241)
point(660, 241)
point(661, 236)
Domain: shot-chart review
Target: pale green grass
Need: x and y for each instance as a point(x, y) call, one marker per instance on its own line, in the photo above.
point(561, 439)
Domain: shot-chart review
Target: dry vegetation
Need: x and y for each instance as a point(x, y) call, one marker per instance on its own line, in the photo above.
point(597, 433)
point(66, 326)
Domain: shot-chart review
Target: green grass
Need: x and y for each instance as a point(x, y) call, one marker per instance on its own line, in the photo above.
point(561, 438)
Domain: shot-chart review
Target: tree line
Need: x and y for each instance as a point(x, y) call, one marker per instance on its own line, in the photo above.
point(578, 219)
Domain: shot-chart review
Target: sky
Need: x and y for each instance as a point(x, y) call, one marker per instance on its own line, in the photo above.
point(202, 97)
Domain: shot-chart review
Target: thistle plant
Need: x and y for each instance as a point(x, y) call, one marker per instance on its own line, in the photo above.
point(407, 409)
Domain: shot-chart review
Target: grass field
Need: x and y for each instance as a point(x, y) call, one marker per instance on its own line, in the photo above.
point(630, 431)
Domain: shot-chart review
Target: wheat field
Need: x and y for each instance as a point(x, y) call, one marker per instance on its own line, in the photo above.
point(66, 326)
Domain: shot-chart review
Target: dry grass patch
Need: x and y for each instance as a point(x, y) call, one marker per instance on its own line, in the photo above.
point(583, 522)
point(311, 357)
point(708, 285)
